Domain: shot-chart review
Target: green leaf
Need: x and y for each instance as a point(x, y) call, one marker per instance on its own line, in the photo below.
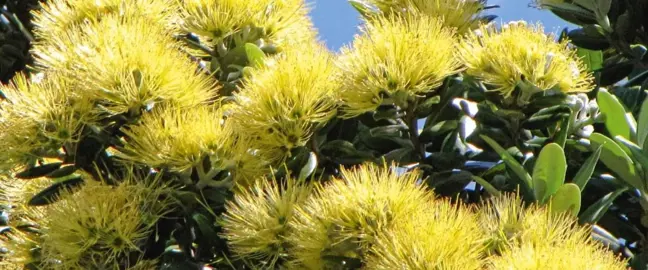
point(255, 55)
point(616, 120)
point(616, 159)
point(585, 172)
point(51, 193)
point(594, 212)
point(566, 199)
point(62, 172)
point(39, 171)
point(206, 227)
point(388, 131)
point(642, 125)
point(637, 154)
point(604, 6)
point(309, 168)
point(593, 59)
point(510, 162)
point(440, 128)
point(549, 171)
point(362, 7)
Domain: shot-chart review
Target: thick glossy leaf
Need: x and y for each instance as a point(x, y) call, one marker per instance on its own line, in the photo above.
point(62, 172)
point(593, 59)
point(428, 134)
point(51, 193)
point(39, 171)
point(616, 120)
point(309, 168)
point(362, 7)
point(255, 55)
point(205, 226)
point(616, 159)
point(603, 6)
point(594, 212)
point(615, 72)
point(637, 79)
point(586, 170)
point(566, 199)
point(549, 171)
point(543, 121)
point(638, 155)
point(515, 166)
point(388, 131)
point(642, 124)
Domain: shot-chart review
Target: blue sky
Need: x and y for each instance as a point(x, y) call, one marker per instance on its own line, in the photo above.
point(337, 21)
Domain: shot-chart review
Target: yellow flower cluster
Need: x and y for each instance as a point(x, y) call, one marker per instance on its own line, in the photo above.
point(279, 22)
point(393, 56)
point(532, 237)
point(60, 17)
point(523, 57)
point(380, 219)
point(284, 101)
point(462, 15)
point(99, 226)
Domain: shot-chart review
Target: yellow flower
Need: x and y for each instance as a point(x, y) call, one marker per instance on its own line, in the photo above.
point(395, 57)
point(283, 102)
point(346, 217)
point(578, 253)
point(510, 224)
point(274, 21)
point(101, 226)
point(37, 119)
point(24, 220)
point(525, 57)
point(55, 18)
point(459, 14)
point(177, 139)
point(126, 65)
point(256, 221)
point(441, 236)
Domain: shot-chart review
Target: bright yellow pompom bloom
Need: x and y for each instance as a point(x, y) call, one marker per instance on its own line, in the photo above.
point(346, 217)
point(441, 236)
point(278, 22)
point(55, 18)
point(24, 220)
point(461, 15)
point(38, 118)
point(581, 254)
point(256, 221)
point(101, 226)
point(126, 65)
point(395, 60)
point(284, 101)
point(533, 238)
point(525, 57)
point(177, 140)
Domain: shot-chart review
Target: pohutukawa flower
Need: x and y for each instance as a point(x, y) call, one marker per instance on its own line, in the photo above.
point(55, 18)
point(535, 238)
point(513, 227)
point(462, 15)
point(178, 139)
point(523, 57)
point(24, 221)
point(283, 102)
point(583, 253)
point(101, 226)
point(395, 57)
point(37, 119)
point(346, 217)
point(442, 236)
point(256, 221)
point(278, 21)
point(111, 64)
